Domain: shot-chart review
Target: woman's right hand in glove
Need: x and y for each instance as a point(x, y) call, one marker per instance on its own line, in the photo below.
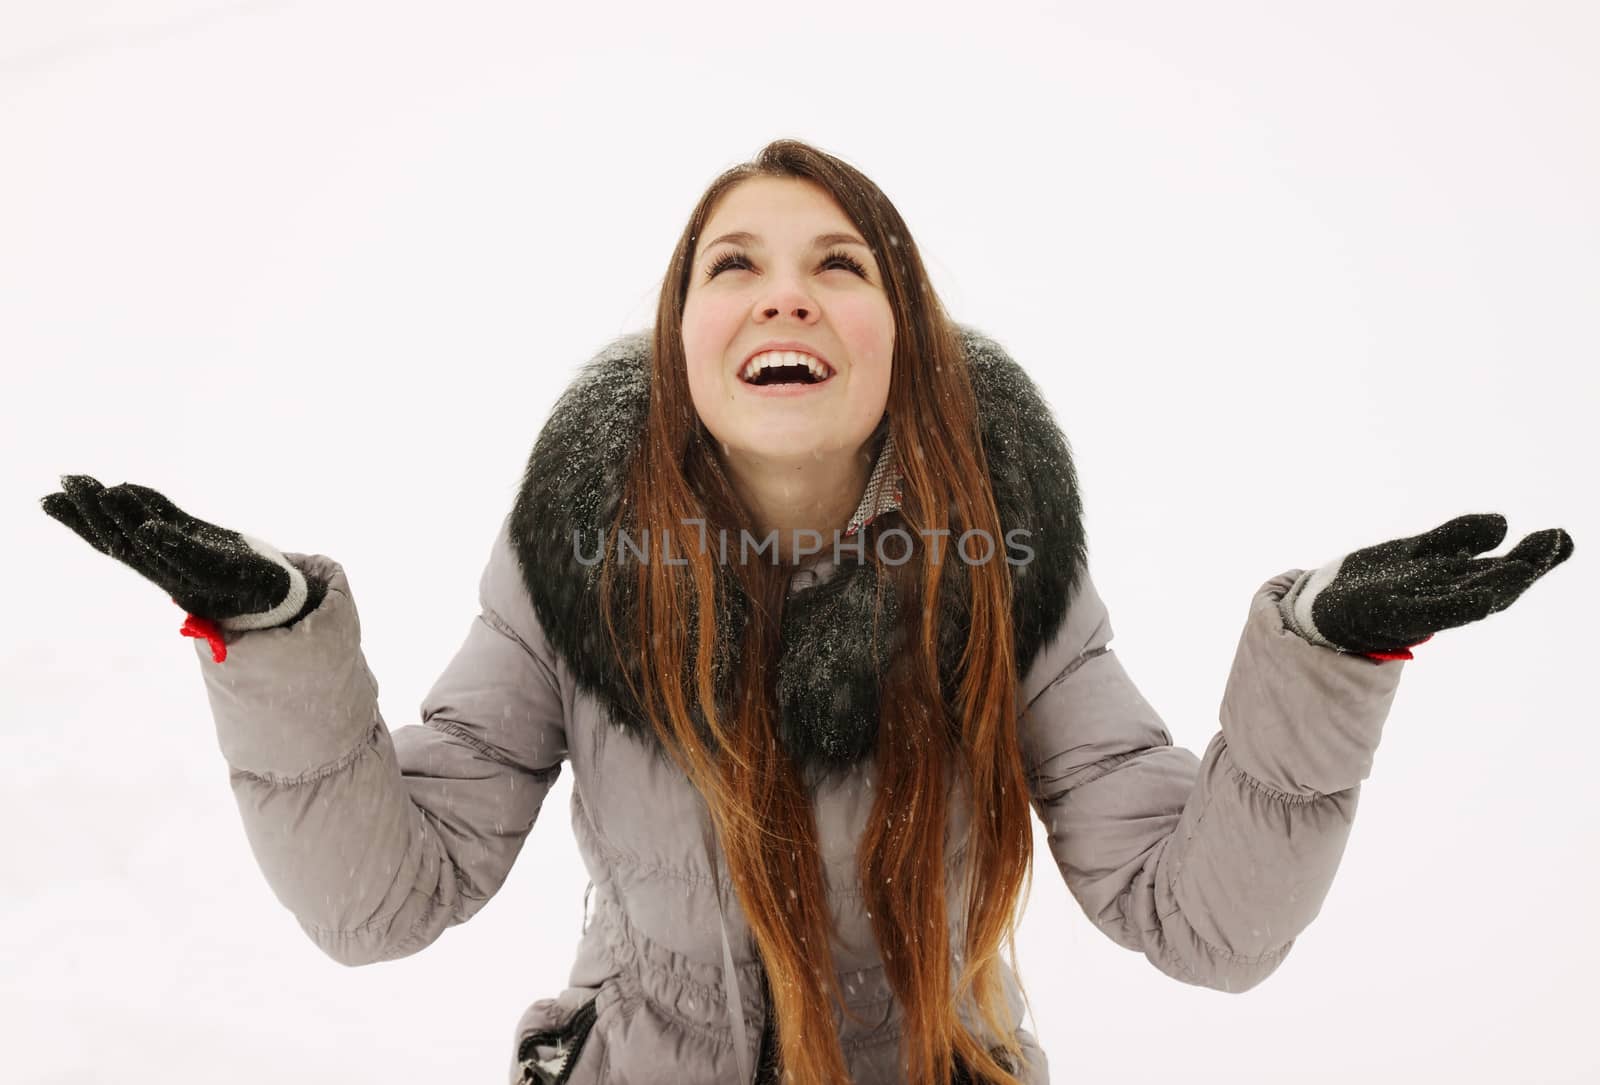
point(226, 580)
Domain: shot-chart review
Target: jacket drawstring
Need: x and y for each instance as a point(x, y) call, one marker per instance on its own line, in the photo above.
point(730, 976)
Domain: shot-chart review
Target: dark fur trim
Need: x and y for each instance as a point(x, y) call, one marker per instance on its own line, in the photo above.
point(828, 675)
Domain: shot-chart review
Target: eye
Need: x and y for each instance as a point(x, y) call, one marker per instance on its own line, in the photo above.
point(726, 261)
point(845, 258)
point(737, 259)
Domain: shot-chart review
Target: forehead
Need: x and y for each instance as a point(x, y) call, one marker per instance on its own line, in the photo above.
point(772, 207)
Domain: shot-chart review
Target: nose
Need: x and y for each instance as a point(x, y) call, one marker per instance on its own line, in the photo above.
point(785, 297)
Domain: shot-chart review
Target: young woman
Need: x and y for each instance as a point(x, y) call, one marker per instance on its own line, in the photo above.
point(796, 582)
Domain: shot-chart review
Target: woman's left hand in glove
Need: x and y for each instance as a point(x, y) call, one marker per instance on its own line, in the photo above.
point(1384, 600)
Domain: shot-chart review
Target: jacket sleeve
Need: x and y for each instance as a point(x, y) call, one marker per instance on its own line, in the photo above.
point(377, 842)
point(1211, 867)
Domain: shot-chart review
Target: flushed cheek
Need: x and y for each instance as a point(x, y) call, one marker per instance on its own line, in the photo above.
point(710, 359)
point(708, 387)
point(713, 320)
point(867, 332)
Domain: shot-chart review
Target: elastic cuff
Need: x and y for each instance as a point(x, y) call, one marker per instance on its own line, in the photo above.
point(287, 607)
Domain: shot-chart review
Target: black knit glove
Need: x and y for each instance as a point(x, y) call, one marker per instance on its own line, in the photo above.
point(223, 579)
point(1386, 599)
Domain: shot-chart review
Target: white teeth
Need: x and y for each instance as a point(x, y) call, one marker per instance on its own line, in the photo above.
point(782, 357)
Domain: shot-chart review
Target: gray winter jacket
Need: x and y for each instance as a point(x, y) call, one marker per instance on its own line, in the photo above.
point(378, 841)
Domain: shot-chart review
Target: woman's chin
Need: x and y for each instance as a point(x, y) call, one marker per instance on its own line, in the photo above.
point(785, 445)
point(802, 449)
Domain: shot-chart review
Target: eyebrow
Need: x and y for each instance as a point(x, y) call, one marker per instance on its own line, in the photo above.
point(745, 237)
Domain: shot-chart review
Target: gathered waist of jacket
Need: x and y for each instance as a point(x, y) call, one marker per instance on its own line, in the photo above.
point(693, 994)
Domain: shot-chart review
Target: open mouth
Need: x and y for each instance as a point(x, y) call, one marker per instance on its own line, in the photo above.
point(785, 374)
point(785, 367)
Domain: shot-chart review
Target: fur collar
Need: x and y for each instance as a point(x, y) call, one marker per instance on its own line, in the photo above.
point(828, 675)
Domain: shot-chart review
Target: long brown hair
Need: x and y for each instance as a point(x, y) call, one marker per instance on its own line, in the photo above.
point(932, 749)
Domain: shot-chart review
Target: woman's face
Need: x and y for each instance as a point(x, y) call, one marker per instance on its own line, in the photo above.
point(786, 282)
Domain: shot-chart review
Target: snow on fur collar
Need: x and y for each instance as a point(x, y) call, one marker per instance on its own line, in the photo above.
point(830, 668)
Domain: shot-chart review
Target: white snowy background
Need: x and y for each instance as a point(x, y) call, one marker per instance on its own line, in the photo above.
point(1296, 278)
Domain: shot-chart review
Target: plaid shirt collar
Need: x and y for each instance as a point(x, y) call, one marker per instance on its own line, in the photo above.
point(883, 493)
